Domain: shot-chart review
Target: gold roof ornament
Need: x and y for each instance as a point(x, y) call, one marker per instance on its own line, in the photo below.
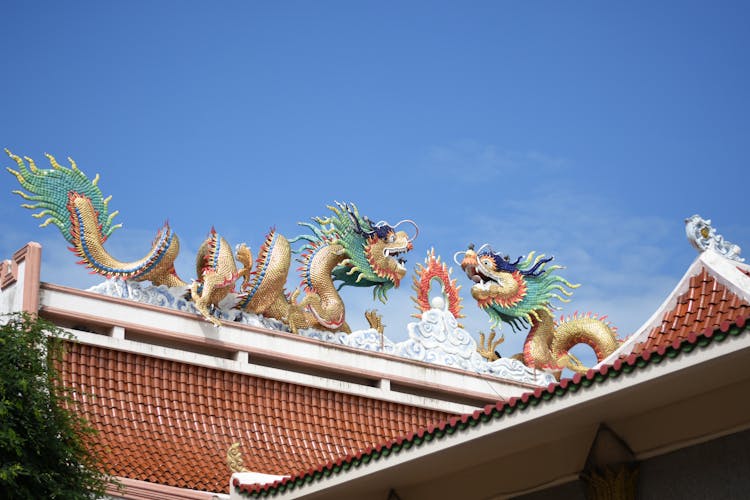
point(234, 459)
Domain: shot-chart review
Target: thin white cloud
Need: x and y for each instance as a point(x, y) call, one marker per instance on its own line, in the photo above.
point(618, 258)
point(471, 162)
point(621, 259)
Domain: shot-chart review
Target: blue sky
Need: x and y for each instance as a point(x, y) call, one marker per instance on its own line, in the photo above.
point(584, 130)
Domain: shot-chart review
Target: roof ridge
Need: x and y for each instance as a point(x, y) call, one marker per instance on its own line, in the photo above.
point(729, 273)
point(593, 376)
point(641, 334)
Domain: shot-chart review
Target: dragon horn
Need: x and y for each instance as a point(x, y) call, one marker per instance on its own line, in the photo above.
point(483, 247)
point(416, 233)
point(455, 256)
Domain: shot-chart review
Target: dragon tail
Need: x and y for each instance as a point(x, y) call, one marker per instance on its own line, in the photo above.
point(587, 328)
point(75, 204)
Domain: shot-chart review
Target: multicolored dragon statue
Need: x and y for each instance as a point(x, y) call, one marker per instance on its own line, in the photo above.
point(345, 249)
point(75, 204)
point(519, 293)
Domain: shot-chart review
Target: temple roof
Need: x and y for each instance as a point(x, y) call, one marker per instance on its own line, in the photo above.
point(607, 392)
point(172, 423)
point(173, 398)
point(170, 394)
point(710, 304)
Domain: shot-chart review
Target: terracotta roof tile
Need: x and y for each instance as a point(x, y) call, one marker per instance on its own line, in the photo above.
point(706, 304)
point(380, 451)
point(171, 423)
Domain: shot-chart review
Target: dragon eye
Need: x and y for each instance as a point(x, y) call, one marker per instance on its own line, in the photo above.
point(391, 238)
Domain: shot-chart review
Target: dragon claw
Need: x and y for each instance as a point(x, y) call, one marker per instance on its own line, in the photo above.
point(375, 320)
point(486, 346)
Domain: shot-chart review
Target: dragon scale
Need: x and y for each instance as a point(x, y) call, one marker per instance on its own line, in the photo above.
point(548, 344)
point(519, 293)
point(77, 207)
point(75, 204)
point(322, 300)
point(263, 286)
point(348, 249)
point(217, 272)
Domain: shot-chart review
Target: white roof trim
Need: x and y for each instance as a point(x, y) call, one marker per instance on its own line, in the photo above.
point(250, 478)
point(728, 273)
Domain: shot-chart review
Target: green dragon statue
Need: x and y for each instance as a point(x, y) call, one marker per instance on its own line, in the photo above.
point(75, 204)
point(345, 249)
point(519, 293)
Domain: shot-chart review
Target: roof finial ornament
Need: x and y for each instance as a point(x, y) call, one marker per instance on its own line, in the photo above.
point(703, 236)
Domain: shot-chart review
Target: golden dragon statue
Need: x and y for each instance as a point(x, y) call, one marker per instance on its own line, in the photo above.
point(519, 293)
point(343, 249)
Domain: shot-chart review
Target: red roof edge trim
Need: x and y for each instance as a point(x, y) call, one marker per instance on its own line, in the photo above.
point(499, 409)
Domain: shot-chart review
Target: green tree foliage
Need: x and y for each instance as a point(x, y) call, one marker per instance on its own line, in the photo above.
point(43, 452)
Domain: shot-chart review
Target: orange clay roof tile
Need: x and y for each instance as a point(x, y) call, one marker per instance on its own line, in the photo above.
point(172, 423)
point(527, 402)
point(706, 304)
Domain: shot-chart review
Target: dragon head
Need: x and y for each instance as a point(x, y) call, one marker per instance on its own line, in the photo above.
point(511, 291)
point(383, 248)
point(373, 250)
